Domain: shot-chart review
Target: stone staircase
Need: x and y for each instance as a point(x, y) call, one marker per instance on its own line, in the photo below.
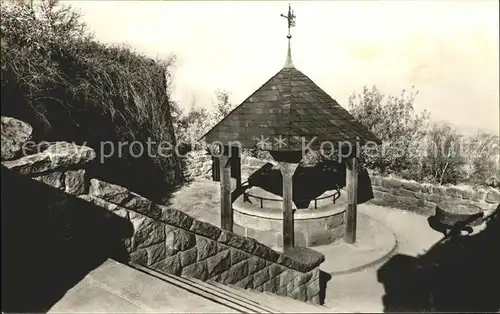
point(114, 287)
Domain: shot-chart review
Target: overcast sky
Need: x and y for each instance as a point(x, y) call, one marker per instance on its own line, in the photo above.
point(448, 49)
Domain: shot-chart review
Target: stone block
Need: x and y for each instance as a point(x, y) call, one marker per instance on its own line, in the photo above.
point(454, 192)
point(54, 179)
point(376, 180)
point(405, 193)
point(379, 195)
point(236, 273)
point(57, 156)
point(139, 257)
point(334, 221)
point(439, 190)
point(264, 239)
point(218, 263)
point(169, 265)
point(109, 192)
point(177, 240)
point(420, 195)
point(155, 253)
point(389, 198)
point(408, 200)
point(15, 133)
point(479, 195)
point(434, 198)
point(255, 264)
point(412, 186)
point(319, 238)
point(493, 197)
point(307, 259)
point(189, 256)
point(147, 232)
point(391, 183)
point(426, 188)
point(205, 247)
point(74, 181)
point(381, 188)
point(175, 217)
point(205, 229)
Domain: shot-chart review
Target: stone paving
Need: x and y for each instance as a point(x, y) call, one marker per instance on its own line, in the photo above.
point(360, 291)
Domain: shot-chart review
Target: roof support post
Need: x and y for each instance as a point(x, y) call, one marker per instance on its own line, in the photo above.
point(226, 208)
point(287, 171)
point(236, 165)
point(352, 200)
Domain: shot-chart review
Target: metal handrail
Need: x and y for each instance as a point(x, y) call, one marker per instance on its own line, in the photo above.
point(246, 196)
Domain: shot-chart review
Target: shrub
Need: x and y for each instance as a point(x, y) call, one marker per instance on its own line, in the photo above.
point(394, 121)
point(482, 159)
point(56, 77)
point(444, 160)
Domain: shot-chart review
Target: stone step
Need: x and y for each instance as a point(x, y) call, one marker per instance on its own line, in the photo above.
point(232, 294)
point(307, 307)
point(114, 287)
point(242, 293)
point(288, 306)
point(205, 290)
point(284, 304)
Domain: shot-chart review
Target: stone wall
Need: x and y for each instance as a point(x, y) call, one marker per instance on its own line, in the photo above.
point(199, 164)
point(388, 191)
point(423, 197)
point(168, 240)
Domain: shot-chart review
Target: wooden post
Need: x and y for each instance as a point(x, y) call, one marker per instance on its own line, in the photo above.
point(226, 208)
point(215, 169)
point(236, 165)
point(287, 171)
point(352, 200)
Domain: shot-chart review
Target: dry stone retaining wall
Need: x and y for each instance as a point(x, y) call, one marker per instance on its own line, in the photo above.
point(168, 240)
point(423, 197)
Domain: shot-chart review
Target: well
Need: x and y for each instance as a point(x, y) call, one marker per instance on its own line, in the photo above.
point(261, 217)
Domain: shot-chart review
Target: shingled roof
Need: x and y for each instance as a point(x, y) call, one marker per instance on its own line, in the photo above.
point(287, 111)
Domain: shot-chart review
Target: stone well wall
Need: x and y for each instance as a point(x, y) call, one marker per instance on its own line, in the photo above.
point(322, 226)
point(423, 197)
point(168, 240)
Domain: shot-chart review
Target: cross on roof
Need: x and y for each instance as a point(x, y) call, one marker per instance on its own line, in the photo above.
point(291, 20)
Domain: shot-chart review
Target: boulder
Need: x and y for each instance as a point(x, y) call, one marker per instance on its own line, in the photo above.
point(15, 133)
point(56, 156)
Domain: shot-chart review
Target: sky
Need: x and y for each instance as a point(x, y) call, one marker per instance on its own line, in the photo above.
point(448, 50)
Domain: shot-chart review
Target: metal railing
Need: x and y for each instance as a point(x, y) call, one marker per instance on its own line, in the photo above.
point(246, 197)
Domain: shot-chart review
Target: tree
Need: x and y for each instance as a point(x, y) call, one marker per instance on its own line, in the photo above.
point(394, 121)
point(196, 121)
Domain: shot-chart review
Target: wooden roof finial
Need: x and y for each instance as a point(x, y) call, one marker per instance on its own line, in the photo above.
point(291, 23)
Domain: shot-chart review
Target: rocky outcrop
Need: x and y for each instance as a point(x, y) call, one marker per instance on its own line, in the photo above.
point(15, 134)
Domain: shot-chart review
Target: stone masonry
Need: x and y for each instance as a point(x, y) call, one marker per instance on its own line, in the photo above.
point(168, 240)
point(388, 191)
point(424, 198)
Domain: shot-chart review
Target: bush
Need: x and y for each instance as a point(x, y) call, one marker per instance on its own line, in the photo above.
point(197, 121)
point(482, 159)
point(56, 77)
point(394, 121)
point(444, 160)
